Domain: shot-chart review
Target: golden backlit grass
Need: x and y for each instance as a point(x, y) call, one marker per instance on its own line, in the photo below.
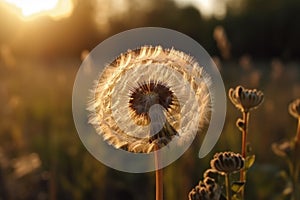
point(36, 117)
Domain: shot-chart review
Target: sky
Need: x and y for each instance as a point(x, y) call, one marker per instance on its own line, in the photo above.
point(30, 9)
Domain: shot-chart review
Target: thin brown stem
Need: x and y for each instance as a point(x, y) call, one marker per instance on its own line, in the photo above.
point(298, 132)
point(295, 168)
point(228, 189)
point(296, 164)
point(158, 175)
point(244, 148)
point(244, 142)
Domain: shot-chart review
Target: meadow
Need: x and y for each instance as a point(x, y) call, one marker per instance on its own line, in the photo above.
point(254, 45)
point(42, 157)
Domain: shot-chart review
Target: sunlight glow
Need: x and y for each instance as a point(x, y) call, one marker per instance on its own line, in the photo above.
point(207, 8)
point(29, 9)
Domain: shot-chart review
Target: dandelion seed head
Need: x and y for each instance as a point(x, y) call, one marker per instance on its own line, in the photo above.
point(139, 79)
point(148, 94)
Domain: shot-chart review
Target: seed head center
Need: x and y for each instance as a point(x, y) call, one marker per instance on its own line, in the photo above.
point(149, 94)
point(148, 100)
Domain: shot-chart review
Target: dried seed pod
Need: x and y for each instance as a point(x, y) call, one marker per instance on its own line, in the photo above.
point(207, 189)
point(245, 99)
point(227, 162)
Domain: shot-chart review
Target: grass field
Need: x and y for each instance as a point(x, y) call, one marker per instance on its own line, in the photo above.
point(36, 119)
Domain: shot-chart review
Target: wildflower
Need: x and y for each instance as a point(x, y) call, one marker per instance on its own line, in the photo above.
point(245, 99)
point(294, 108)
point(207, 189)
point(137, 81)
point(227, 162)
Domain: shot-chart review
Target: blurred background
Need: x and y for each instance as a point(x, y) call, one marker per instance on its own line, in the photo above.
point(42, 44)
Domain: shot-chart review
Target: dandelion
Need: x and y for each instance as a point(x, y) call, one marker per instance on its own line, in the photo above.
point(147, 97)
point(136, 81)
point(207, 189)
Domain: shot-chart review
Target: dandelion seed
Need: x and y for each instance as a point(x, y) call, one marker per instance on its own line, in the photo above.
point(245, 99)
point(136, 82)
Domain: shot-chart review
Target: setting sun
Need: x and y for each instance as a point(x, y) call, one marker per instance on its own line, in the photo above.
point(28, 9)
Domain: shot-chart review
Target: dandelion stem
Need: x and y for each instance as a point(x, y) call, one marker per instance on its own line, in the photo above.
point(244, 147)
point(227, 184)
point(158, 175)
